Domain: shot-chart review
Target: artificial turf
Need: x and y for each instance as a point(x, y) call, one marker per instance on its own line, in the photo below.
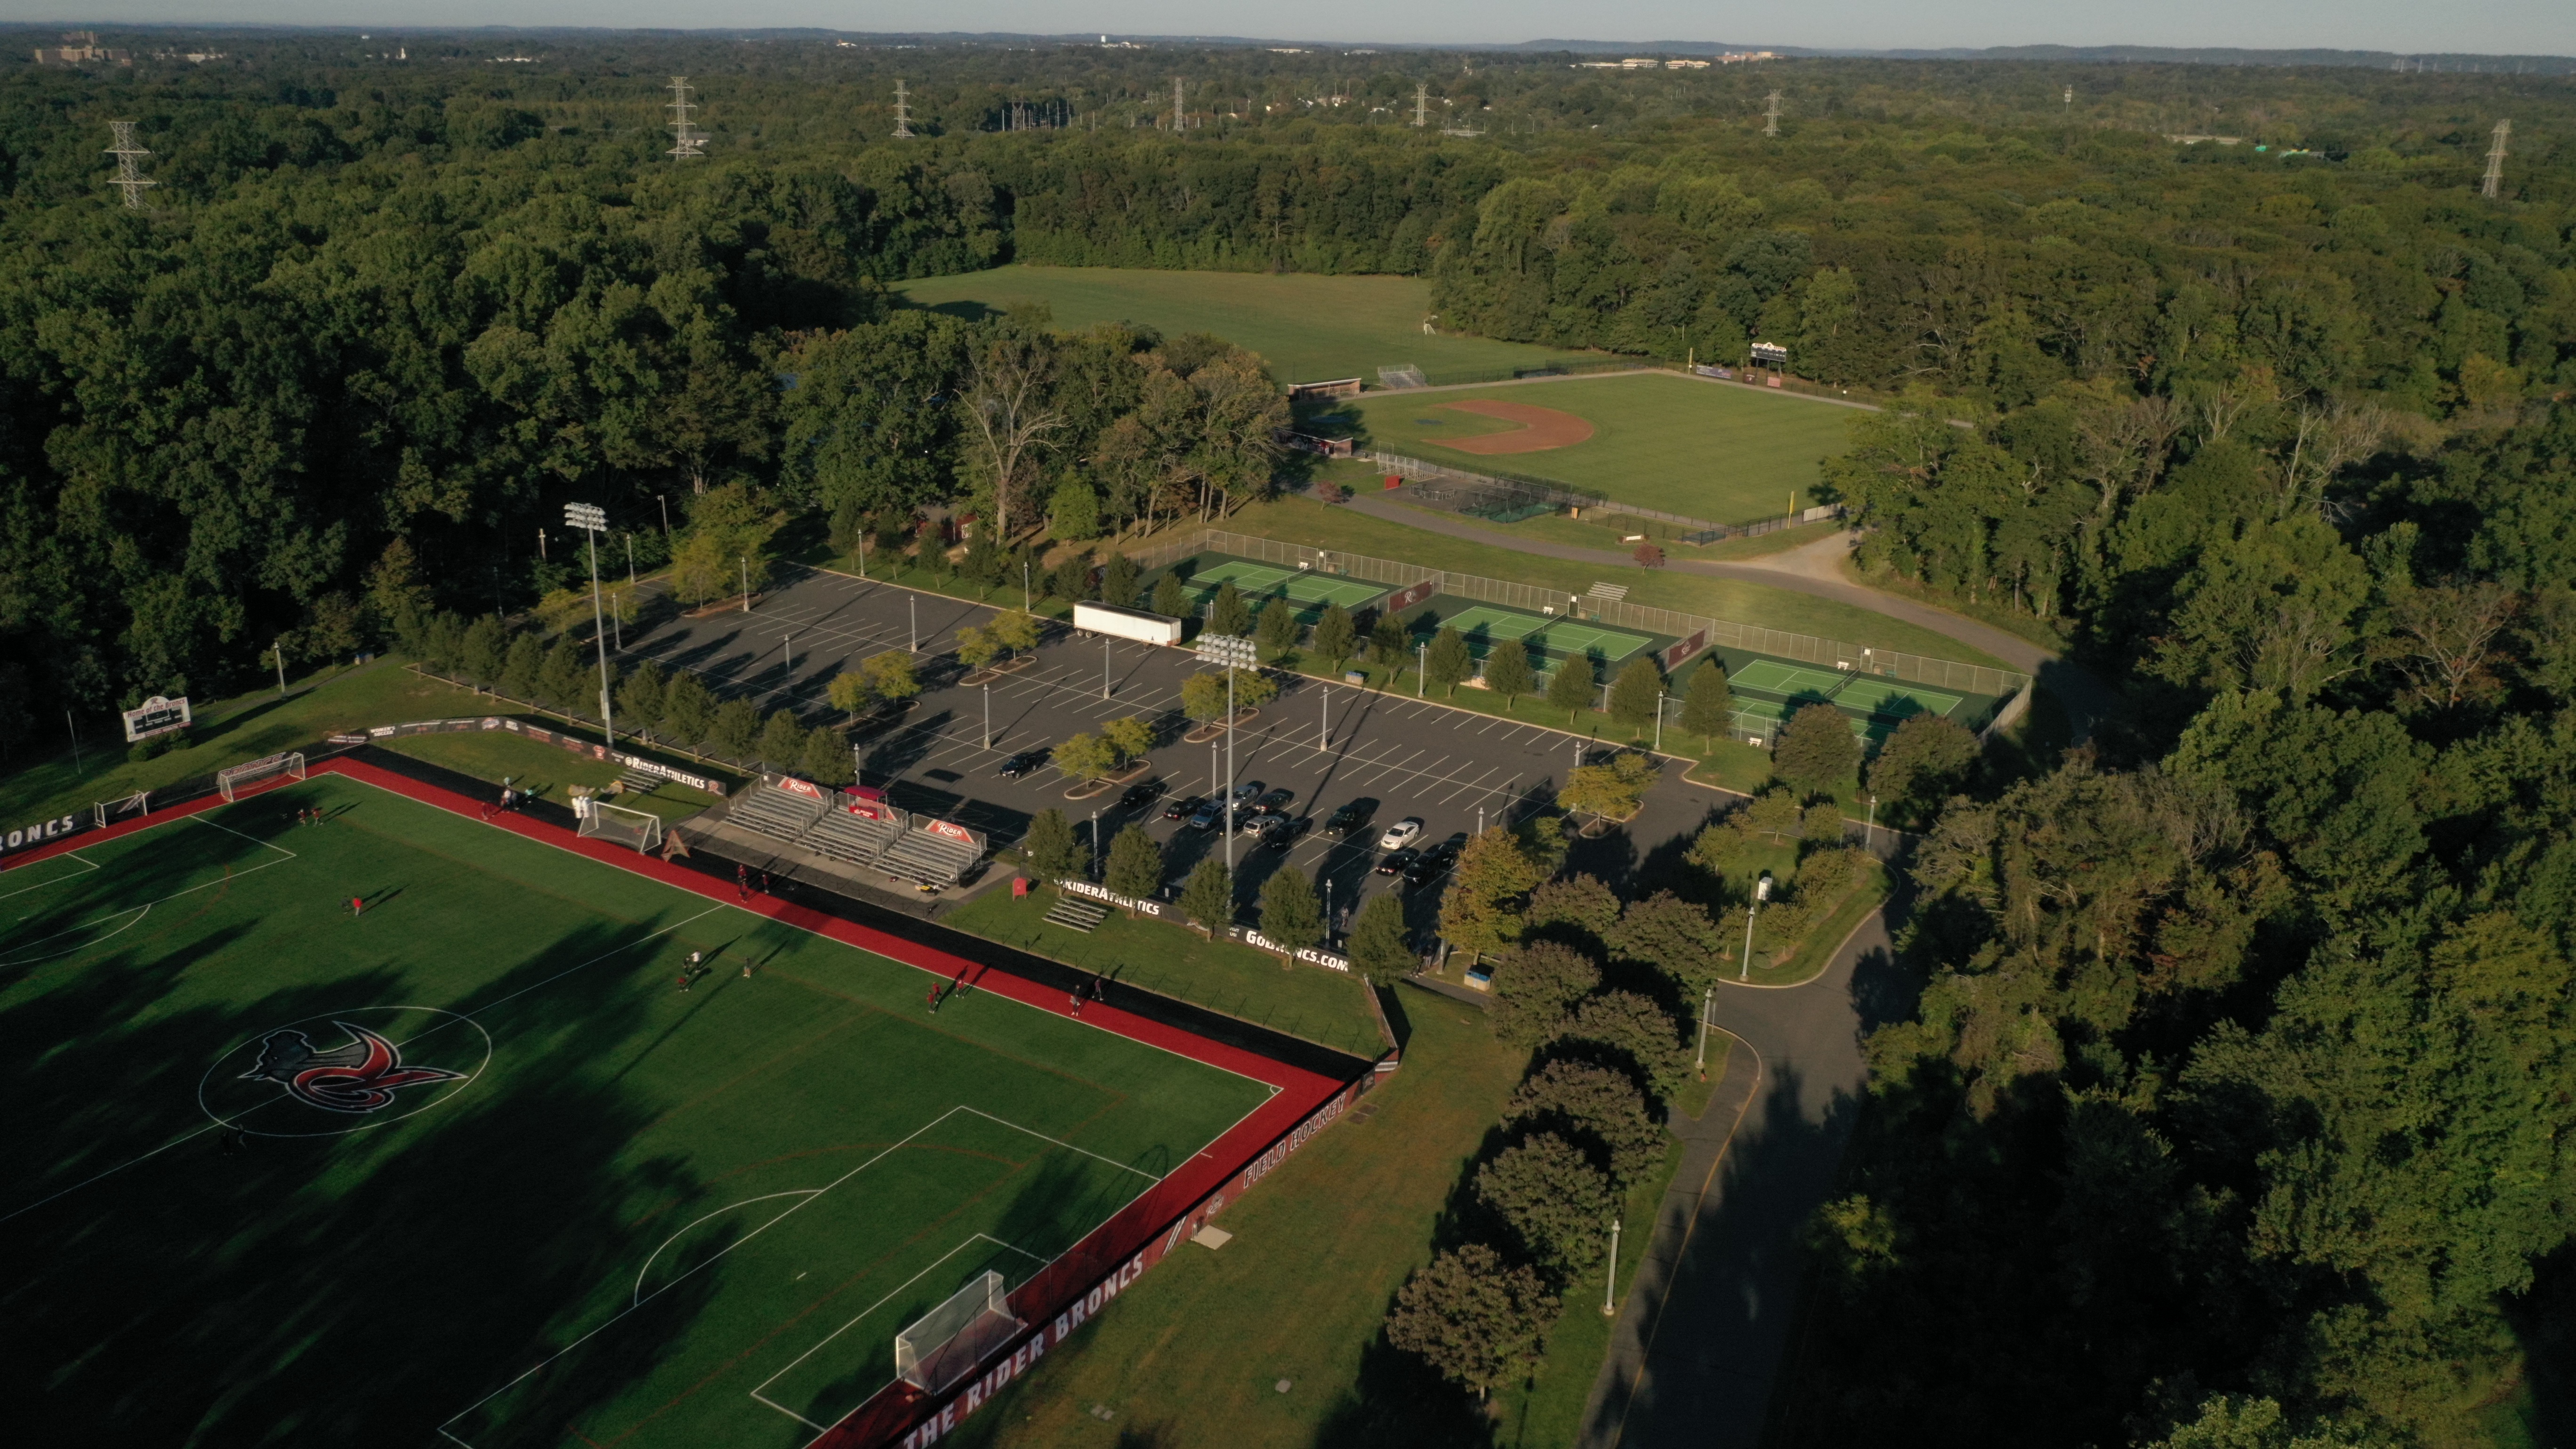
point(659, 1201)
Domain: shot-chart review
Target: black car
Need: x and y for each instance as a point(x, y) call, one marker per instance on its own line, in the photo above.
point(1026, 762)
point(1276, 802)
point(1352, 818)
point(1283, 832)
point(1183, 806)
point(1397, 862)
point(1431, 865)
point(1139, 796)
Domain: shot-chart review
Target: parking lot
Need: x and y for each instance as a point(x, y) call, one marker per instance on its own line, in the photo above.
point(1331, 745)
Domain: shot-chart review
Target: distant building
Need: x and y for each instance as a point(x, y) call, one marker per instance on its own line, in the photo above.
point(81, 47)
point(1685, 65)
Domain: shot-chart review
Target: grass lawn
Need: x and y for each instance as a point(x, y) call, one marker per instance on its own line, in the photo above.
point(1298, 519)
point(1726, 454)
point(1308, 1001)
point(544, 770)
point(668, 1199)
point(1307, 327)
point(1192, 1354)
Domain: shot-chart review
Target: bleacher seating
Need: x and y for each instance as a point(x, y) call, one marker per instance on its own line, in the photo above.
point(899, 844)
point(772, 811)
point(854, 838)
point(927, 855)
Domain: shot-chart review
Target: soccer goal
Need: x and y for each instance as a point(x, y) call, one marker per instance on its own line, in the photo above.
point(617, 824)
point(948, 1342)
point(106, 812)
point(243, 779)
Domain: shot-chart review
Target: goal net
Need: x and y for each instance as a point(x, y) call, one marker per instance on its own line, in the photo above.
point(242, 779)
point(617, 824)
point(106, 812)
point(948, 1342)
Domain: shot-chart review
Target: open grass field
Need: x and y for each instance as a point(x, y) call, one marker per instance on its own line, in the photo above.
point(543, 771)
point(471, 1168)
point(1727, 454)
point(1307, 327)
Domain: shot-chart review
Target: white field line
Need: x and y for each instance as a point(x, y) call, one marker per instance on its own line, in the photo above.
point(13, 958)
point(57, 880)
point(864, 1313)
point(719, 1212)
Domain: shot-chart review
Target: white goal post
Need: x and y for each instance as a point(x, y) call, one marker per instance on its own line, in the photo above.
point(242, 778)
point(618, 824)
point(106, 811)
point(945, 1344)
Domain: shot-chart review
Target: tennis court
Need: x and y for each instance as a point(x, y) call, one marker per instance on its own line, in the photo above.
point(1558, 637)
point(1772, 677)
point(1261, 581)
point(1890, 699)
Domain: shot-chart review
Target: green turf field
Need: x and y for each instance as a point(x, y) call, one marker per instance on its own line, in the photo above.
point(615, 1212)
point(1307, 327)
point(1708, 450)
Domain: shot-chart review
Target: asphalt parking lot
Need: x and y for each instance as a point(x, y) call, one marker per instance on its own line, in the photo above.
point(1330, 744)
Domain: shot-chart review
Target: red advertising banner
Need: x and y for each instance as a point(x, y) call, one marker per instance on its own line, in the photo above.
point(794, 786)
point(951, 829)
point(1411, 594)
point(1676, 653)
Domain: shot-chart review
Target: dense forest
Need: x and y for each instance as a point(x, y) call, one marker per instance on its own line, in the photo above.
point(2238, 1106)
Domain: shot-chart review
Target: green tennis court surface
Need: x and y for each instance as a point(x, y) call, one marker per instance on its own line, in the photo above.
point(1772, 677)
point(1559, 637)
point(1261, 581)
point(1864, 694)
point(590, 1206)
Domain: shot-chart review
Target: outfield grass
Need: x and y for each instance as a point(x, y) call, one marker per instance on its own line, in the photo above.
point(688, 1196)
point(1709, 450)
point(1307, 327)
point(1193, 1353)
point(542, 770)
point(1308, 1001)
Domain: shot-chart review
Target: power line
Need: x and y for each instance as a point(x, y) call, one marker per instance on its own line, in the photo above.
point(2495, 161)
point(1180, 118)
point(1771, 117)
point(131, 180)
point(1421, 102)
point(902, 112)
point(689, 141)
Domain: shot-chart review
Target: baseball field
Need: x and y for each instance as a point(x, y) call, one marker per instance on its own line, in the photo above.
point(1719, 451)
point(486, 1161)
point(1307, 327)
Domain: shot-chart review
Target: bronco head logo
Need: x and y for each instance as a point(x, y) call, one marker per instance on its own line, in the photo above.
point(358, 1077)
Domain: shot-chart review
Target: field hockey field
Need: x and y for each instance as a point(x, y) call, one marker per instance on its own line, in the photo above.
point(1307, 327)
point(471, 1168)
point(1707, 450)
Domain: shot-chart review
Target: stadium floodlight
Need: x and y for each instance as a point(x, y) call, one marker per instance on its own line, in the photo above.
point(1234, 652)
point(1231, 650)
point(592, 520)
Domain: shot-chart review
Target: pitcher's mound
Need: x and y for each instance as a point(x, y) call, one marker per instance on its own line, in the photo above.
point(1540, 430)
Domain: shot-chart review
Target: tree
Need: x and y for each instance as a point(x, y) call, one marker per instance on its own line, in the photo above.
point(1649, 555)
point(1277, 629)
point(1536, 988)
point(1291, 917)
point(1673, 936)
point(2250, 1423)
point(1135, 864)
point(827, 758)
point(1507, 669)
point(1590, 1104)
point(850, 693)
point(1207, 897)
point(479, 655)
point(1253, 689)
point(1015, 630)
point(397, 598)
point(1070, 579)
point(1229, 614)
point(782, 742)
point(1708, 706)
point(736, 725)
point(1073, 513)
point(1170, 599)
point(1118, 582)
point(976, 646)
point(1054, 851)
point(1203, 697)
point(1480, 911)
point(726, 549)
point(1637, 693)
point(1554, 1200)
point(639, 697)
point(1570, 687)
point(562, 680)
point(1086, 757)
point(1612, 790)
point(891, 677)
point(1473, 1319)
point(1816, 752)
point(522, 668)
point(1130, 736)
point(687, 712)
point(1448, 662)
point(1380, 949)
point(1390, 643)
point(1333, 635)
point(1579, 910)
point(1632, 1027)
point(1926, 759)
point(1007, 415)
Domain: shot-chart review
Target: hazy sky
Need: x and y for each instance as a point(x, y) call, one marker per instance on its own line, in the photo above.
point(2522, 27)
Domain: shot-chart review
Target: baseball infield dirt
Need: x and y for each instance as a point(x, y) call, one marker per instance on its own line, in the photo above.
point(1540, 430)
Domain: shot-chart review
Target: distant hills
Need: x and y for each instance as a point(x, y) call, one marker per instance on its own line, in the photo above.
point(2136, 54)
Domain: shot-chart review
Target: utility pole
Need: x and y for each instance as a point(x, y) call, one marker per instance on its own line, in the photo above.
point(2495, 162)
point(686, 140)
point(1752, 908)
point(1610, 1288)
point(591, 519)
point(1707, 1004)
point(1180, 119)
point(278, 649)
point(129, 165)
point(1771, 117)
point(1421, 103)
point(902, 112)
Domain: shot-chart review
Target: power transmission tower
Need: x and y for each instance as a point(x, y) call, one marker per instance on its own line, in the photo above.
point(2495, 161)
point(1771, 117)
point(685, 136)
point(1180, 118)
point(131, 180)
point(902, 112)
point(1421, 102)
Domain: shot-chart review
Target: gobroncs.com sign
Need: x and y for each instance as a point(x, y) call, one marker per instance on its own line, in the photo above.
point(38, 834)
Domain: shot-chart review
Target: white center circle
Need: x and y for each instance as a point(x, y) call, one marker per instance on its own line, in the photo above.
point(244, 1084)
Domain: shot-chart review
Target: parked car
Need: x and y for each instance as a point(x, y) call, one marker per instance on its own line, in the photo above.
point(1398, 862)
point(1252, 821)
point(1208, 816)
point(1275, 802)
point(1283, 832)
point(1246, 793)
point(1352, 818)
point(1026, 762)
point(1431, 865)
point(1402, 833)
point(1140, 795)
point(1183, 806)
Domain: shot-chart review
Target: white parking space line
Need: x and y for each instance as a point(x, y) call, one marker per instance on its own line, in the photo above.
point(1470, 785)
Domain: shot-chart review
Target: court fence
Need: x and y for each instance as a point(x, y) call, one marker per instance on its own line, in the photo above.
point(1618, 613)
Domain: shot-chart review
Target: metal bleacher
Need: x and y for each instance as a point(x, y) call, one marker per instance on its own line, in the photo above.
point(927, 855)
point(854, 838)
point(929, 851)
point(773, 811)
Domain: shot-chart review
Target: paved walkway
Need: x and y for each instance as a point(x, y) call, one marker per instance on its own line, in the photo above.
point(1813, 569)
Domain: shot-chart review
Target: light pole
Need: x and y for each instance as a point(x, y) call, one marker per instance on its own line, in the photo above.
point(1421, 667)
point(592, 520)
point(1024, 586)
point(988, 715)
point(279, 649)
point(1610, 1285)
point(1104, 666)
point(1872, 837)
point(665, 500)
point(912, 641)
point(1761, 893)
point(1232, 652)
point(1659, 724)
point(1707, 1003)
point(1324, 724)
point(630, 558)
point(746, 583)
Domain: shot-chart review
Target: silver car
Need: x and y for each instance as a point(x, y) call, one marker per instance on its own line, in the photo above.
point(1401, 834)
